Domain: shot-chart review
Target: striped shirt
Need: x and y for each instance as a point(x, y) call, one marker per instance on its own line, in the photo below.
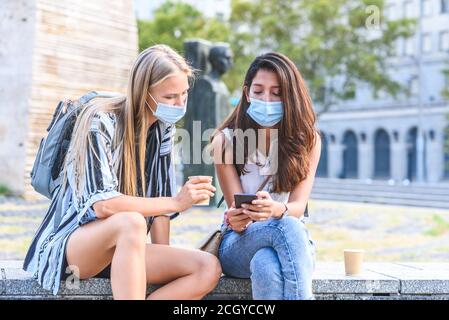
point(44, 259)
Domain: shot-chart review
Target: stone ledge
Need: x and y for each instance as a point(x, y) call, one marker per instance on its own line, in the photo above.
point(379, 281)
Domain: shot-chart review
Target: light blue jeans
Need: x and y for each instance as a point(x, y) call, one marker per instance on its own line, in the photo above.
point(278, 256)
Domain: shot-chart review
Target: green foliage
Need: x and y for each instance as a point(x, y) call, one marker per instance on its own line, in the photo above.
point(440, 226)
point(175, 22)
point(327, 39)
point(446, 145)
point(446, 89)
point(4, 190)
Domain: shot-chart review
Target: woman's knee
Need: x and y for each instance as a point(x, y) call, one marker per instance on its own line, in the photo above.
point(209, 271)
point(130, 227)
point(292, 227)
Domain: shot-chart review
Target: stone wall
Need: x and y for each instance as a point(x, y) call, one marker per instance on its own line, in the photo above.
point(378, 281)
point(63, 49)
point(17, 29)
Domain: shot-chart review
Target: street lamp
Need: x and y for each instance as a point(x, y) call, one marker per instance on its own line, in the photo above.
point(420, 132)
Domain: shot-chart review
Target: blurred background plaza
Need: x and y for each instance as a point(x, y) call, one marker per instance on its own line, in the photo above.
point(378, 73)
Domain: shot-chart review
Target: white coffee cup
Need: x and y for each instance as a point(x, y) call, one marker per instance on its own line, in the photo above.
point(353, 261)
point(206, 201)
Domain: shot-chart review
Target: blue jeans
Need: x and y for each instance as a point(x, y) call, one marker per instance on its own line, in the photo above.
point(278, 256)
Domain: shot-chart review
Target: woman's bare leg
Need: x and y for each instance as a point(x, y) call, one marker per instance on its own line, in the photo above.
point(160, 230)
point(186, 273)
point(121, 239)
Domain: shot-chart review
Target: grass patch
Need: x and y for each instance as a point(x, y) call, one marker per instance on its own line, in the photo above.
point(17, 246)
point(440, 227)
point(11, 230)
point(19, 220)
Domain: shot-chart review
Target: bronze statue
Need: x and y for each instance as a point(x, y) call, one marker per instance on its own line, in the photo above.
point(208, 104)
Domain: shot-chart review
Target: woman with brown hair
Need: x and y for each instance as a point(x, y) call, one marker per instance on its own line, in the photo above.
point(118, 174)
point(266, 239)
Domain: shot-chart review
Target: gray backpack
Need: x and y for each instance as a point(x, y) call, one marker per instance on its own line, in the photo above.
point(48, 165)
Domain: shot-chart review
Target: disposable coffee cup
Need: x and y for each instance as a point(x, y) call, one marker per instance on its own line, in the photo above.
point(353, 261)
point(206, 201)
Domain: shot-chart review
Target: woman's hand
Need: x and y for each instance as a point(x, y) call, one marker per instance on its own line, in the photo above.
point(238, 221)
point(264, 207)
point(193, 191)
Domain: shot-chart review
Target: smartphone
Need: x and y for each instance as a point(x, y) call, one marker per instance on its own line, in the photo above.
point(241, 198)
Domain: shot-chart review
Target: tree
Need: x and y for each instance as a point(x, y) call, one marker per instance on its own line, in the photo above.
point(446, 148)
point(446, 130)
point(446, 89)
point(328, 40)
point(174, 22)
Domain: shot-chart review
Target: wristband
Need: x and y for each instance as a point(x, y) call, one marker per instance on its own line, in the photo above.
point(285, 213)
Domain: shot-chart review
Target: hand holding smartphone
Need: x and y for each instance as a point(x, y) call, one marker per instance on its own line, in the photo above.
point(241, 198)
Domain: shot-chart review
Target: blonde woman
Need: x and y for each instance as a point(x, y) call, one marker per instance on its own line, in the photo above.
point(118, 175)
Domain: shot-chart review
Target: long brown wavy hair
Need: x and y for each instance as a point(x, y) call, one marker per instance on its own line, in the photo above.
point(297, 131)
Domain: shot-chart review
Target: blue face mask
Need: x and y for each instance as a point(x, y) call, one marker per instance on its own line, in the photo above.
point(166, 112)
point(266, 114)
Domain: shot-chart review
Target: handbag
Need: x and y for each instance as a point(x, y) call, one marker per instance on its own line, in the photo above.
point(212, 242)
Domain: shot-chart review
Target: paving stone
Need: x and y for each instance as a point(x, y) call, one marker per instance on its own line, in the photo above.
point(417, 278)
point(331, 278)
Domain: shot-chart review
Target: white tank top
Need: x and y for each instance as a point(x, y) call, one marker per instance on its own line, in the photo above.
point(256, 174)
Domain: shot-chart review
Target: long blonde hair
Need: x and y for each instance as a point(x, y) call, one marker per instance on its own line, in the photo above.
point(152, 66)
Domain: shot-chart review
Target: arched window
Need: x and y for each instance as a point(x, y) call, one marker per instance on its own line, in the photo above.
point(322, 170)
point(411, 153)
point(350, 155)
point(381, 154)
point(446, 152)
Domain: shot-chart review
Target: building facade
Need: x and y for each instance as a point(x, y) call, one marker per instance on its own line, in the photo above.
point(53, 50)
point(376, 138)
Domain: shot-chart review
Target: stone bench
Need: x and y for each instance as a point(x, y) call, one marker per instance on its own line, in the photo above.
point(378, 281)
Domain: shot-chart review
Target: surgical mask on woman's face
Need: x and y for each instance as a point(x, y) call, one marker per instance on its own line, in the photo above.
point(265, 113)
point(166, 112)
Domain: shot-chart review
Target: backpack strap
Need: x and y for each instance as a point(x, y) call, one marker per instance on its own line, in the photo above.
point(87, 97)
point(264, 183)
point(220, 202)
point(97, 94)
